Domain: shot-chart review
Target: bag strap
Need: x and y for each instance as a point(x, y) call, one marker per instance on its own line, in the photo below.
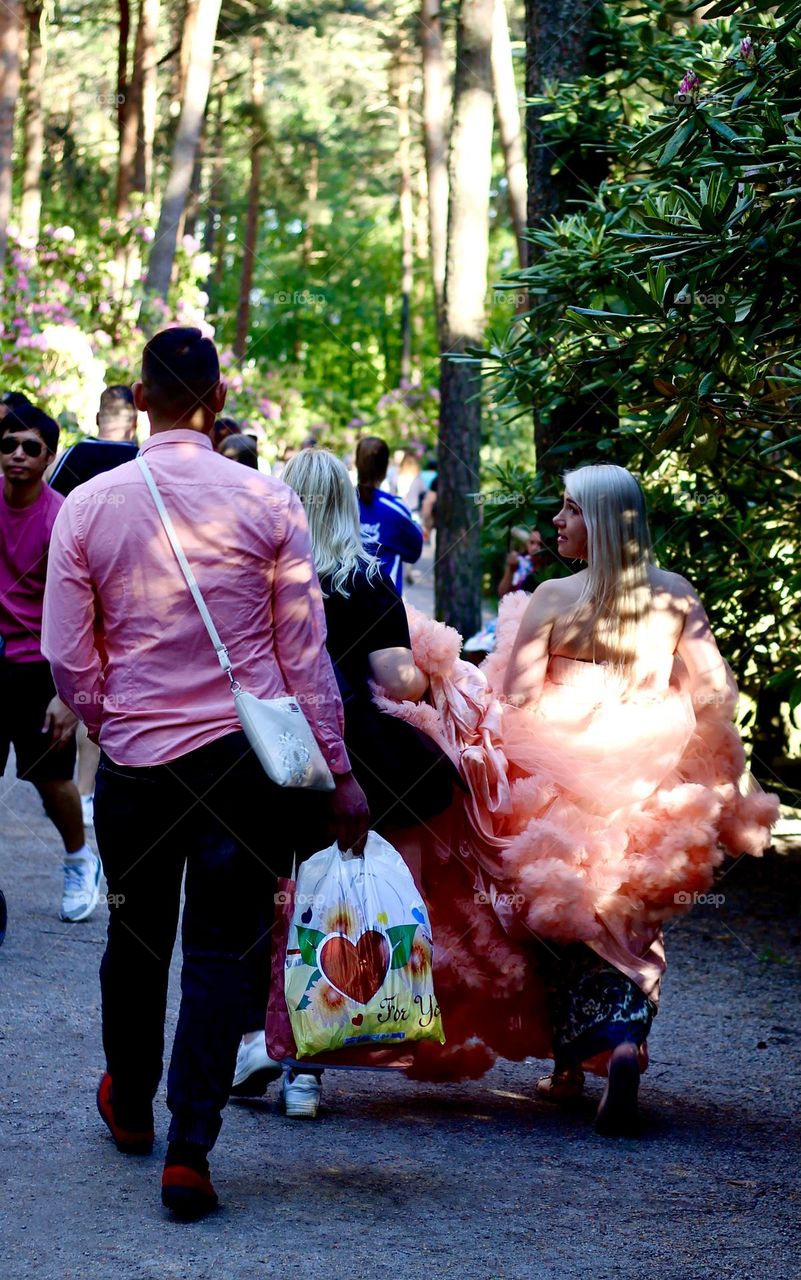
point(186, 569)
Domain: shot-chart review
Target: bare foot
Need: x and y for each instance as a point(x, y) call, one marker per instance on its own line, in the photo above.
point(617, 1114)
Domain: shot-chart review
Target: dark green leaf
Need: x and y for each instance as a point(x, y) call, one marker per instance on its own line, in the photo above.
point(401, 937)
point(685, 131)
point(308, 941)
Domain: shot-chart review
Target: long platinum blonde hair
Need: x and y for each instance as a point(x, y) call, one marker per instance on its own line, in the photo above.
point(323, 485)
point(616, 598)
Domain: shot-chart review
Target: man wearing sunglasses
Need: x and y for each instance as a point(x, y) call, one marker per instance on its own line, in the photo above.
point(32, 716)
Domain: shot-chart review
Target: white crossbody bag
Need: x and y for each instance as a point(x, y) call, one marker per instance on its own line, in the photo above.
point(276, 728)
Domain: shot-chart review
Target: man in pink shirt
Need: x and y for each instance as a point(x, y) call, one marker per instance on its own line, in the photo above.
point(178, 787)
point(32, 717)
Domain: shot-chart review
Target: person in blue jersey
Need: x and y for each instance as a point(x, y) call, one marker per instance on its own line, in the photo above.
point(388, 530)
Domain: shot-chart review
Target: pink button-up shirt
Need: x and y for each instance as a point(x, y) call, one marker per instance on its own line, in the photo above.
point(128, 649)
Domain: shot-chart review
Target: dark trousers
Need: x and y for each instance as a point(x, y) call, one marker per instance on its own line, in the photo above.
point(214, 814)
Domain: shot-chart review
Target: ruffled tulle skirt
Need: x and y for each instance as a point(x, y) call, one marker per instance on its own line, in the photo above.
point(589, 821)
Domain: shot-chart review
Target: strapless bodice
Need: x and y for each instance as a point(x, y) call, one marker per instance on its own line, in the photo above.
point(600, 677)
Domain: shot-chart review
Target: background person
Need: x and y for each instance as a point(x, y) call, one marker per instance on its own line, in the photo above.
point(241, 448)
point(522, 568)
point(114, 443)
point(32, 717)
point(13, 400)
point(606, 780)
point(410, 484)
point(224, 429)
point(388, 530)
point(406, 777)
point(178, 787)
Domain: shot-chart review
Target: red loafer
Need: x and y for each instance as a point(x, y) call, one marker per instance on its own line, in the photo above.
point(187, 1192)
point(132, 1142)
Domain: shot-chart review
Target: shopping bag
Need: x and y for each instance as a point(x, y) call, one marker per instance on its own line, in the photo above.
point(278, 1029)
point(359, 956)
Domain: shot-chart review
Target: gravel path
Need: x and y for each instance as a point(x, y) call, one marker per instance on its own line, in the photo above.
point(476, 1181)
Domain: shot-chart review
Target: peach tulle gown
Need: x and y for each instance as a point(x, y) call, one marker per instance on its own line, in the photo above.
point(591, 818)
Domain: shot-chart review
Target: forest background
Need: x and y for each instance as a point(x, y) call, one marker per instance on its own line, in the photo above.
point(508, 237)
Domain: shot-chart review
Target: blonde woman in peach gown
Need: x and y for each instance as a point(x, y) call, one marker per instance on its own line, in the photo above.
point(607, 781)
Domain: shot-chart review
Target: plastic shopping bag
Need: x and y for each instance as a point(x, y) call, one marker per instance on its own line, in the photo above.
point(359, 954)
point(278, 1029)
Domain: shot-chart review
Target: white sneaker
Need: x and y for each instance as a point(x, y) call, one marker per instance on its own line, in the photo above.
point(301, 1092)
point(255, 1069)
point(88, 809)
point(81, 887)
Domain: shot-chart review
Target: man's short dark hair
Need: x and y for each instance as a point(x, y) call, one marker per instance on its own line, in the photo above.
point(15, 400)
point(372, 460)
point(28, 418)
point(118, 400)
point(241, 448)
point(180, 369)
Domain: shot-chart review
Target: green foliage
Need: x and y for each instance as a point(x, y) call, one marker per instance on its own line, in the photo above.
point(70, 312)
point(324, 346)
point(669, 301)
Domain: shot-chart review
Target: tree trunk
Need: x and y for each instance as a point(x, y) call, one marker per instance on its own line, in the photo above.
point(131, 121)
point(9, 91)
point(186, 226)
point(227, 226)
point(435, 137)
point(507, 113)
point(310, 214)
point(30, 212)
point(312, 182)
point(124, 11)
point(254, 202)
point(214, 226)
point(193, 199)
point(187, 32)
point(769, 736)
point(458, 572)
point(558, 36)
point(214, 160)
point(148, 96)
point(193, 108)
point(406, 207)
point(421, 253)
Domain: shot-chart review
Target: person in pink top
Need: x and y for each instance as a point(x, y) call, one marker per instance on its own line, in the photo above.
point(178, 787)
point(32, 717)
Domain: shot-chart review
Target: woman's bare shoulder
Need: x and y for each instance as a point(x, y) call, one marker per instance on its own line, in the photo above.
point(550, 600)
point(555, 594)
point(671, 589)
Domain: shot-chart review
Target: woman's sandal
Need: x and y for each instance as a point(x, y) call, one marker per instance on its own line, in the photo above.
point(617, 1115)
point(562, 1086)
